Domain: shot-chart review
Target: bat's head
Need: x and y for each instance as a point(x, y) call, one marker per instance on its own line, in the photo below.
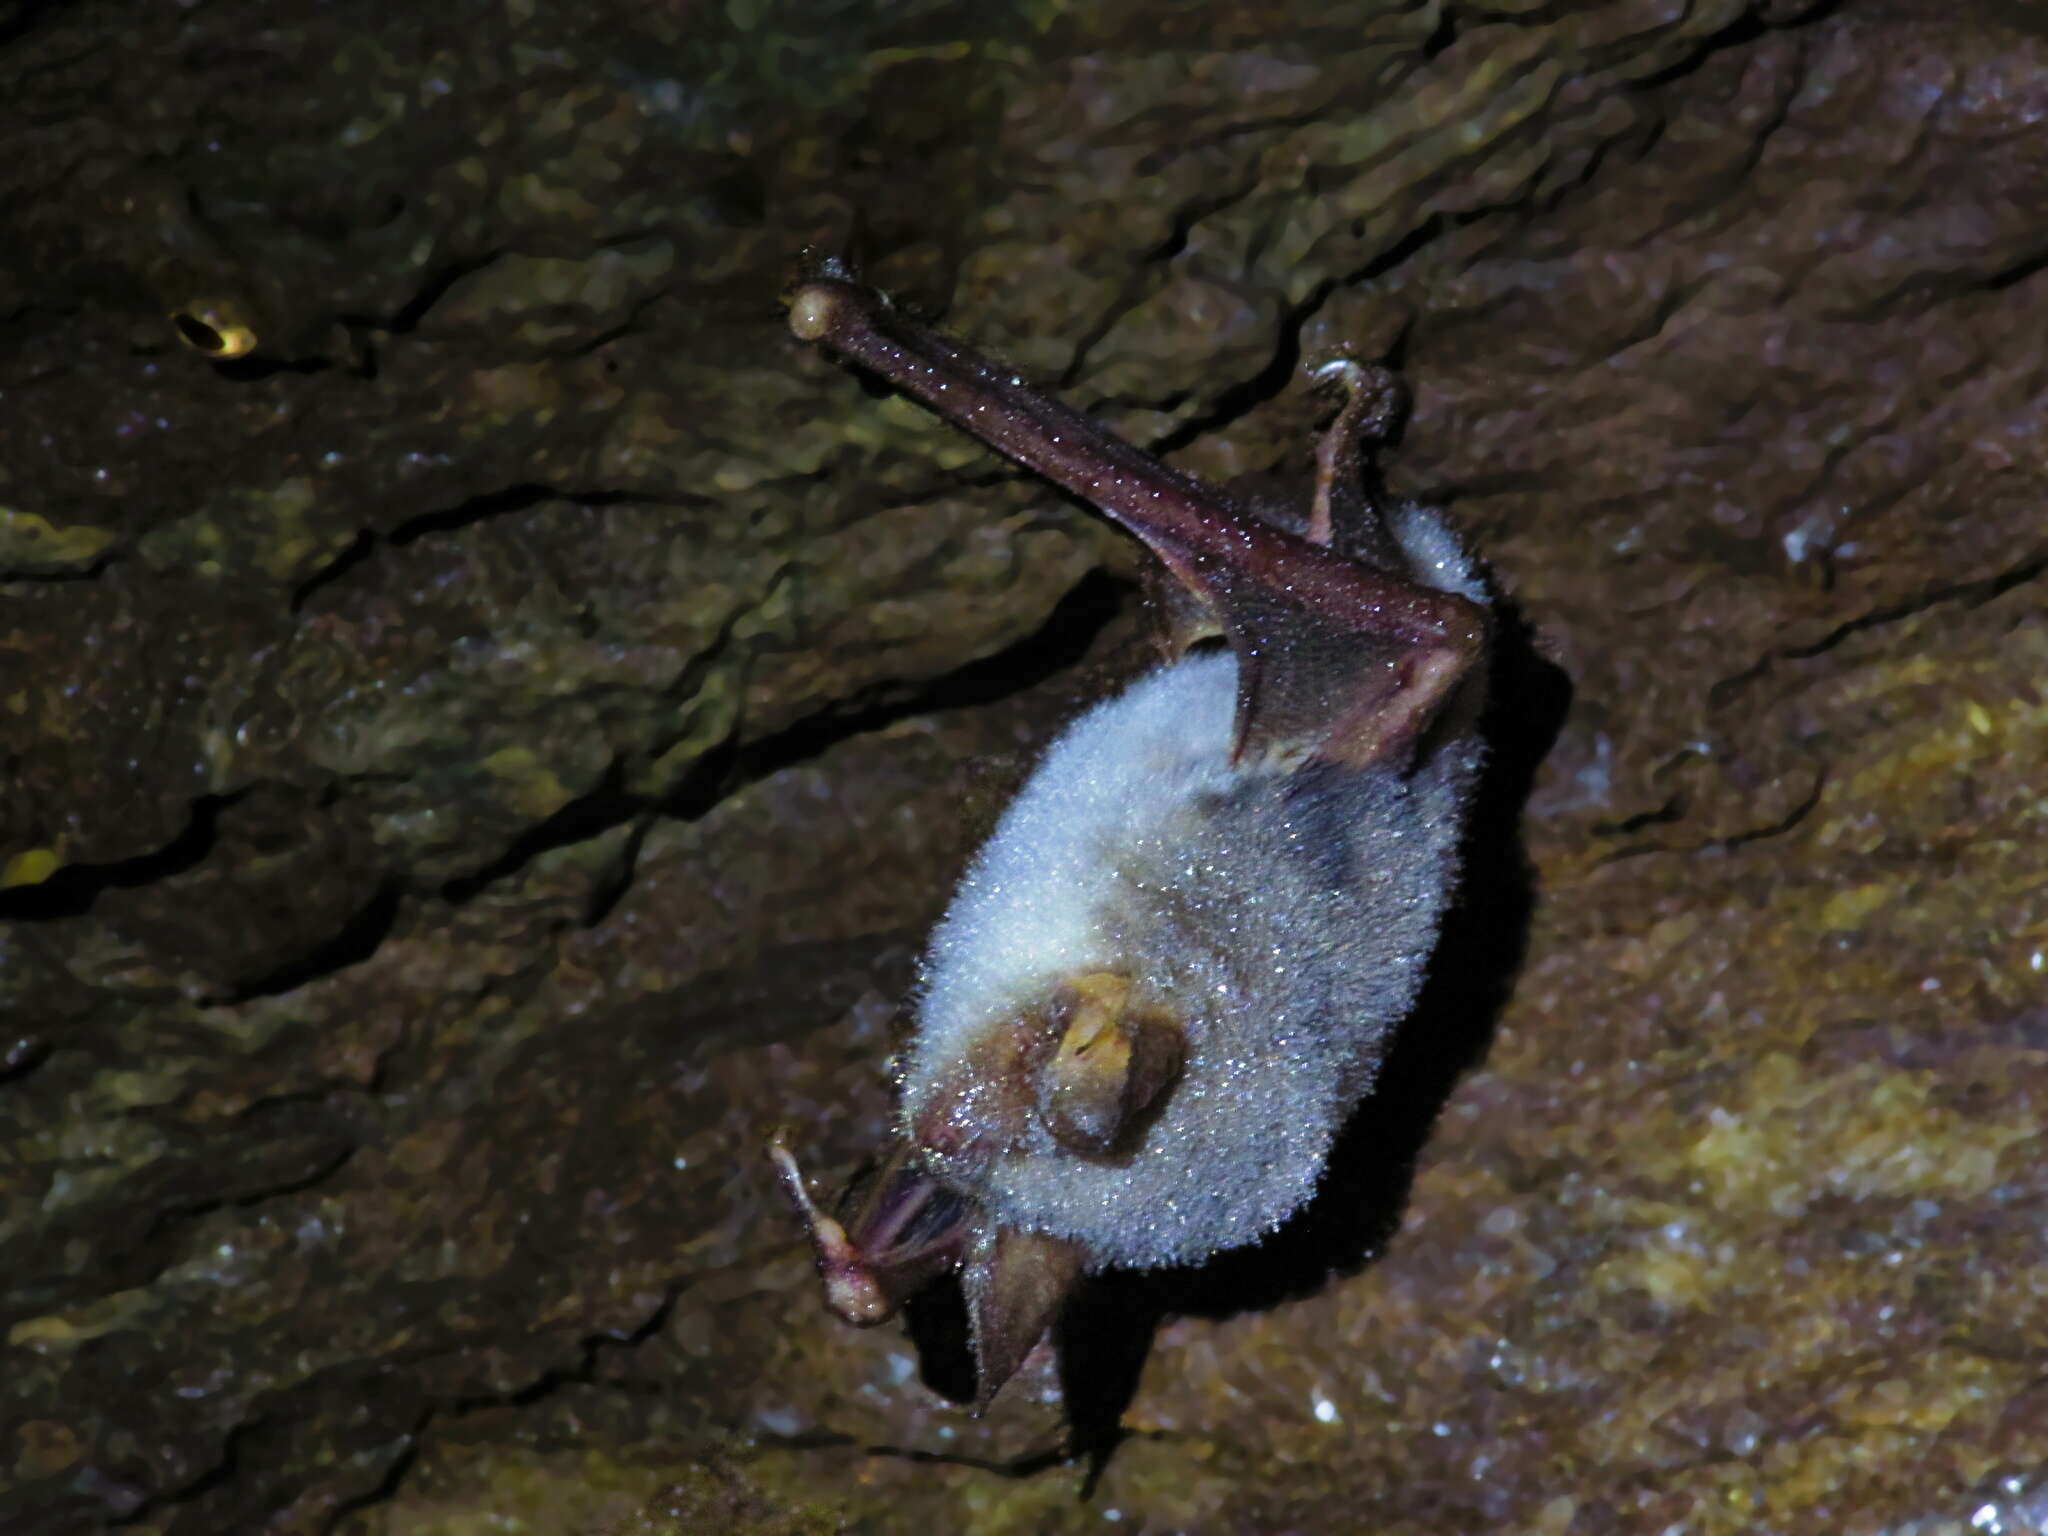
point(1083, 1066)
point(1077, 1074)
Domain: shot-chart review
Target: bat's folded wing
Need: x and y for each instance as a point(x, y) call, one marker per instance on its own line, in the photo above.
point(1338, 659)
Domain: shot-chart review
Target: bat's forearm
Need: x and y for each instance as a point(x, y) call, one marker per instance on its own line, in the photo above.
point(1210, 542)
point(982, 398)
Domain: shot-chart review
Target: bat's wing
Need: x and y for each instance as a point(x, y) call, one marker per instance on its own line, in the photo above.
point(1338, 658)
point(1015, 1283)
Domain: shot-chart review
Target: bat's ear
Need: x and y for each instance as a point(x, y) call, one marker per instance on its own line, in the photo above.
point(1015, 1283)
point(1113, 1062)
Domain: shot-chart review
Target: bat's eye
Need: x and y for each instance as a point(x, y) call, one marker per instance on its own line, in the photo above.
point(1112, 1066)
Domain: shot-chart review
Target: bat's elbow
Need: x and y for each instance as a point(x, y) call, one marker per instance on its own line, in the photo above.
point(1469, 630)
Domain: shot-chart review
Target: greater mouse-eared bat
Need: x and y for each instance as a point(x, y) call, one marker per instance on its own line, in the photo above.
point(1173, 971)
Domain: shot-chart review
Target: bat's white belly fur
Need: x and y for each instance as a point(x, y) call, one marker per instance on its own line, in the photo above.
point(1285, 919)
point(1030, 910)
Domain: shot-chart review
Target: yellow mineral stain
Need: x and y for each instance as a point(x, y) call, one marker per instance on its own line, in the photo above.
point(882, 58)
point(1670, 1277)
point(535, 789)
point(27, 536)
point(32, 866)
point(61, 1330)
point(215, 327)
point(132, 1090)
point(1846, 910)
point(47, 1447)
point(1870, 1132)
point(517, 389)
point(1930, 1395)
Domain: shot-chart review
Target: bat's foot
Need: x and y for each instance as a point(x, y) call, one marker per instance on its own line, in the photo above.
point(852, 1290)
point(897, 1228)
point(1373, 399)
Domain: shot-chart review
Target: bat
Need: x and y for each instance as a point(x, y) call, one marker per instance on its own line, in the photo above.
point(1174, 969)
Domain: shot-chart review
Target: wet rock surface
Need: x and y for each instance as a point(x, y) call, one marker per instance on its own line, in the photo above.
point(486, 719)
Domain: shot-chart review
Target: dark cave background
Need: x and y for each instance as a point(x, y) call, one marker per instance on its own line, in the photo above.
point(486, 718)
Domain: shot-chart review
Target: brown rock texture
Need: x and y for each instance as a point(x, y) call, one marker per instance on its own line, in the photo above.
point(486, 718)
